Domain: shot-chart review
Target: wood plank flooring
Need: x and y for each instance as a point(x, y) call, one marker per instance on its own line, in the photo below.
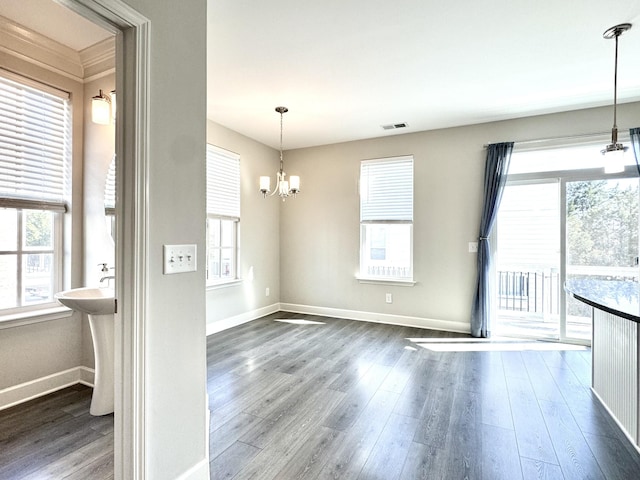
point(351, 400)
point(341, 399)
point(55, 437)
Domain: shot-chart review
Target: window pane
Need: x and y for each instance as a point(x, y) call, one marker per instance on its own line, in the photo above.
point(228, 227)
point(38, 229)
point(214, 263)
point(214, 232)
point(387, 250)
point(9, 230)
point(37, 278)
point(227, 263)
point(8, 281)
point(553, 160)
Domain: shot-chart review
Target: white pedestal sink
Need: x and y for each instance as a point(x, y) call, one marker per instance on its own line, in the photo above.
point(100, 305)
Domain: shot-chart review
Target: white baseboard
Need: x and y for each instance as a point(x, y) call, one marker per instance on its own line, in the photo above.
point(42, 386)
point(230, 322)
point(418, 322)
point(200, 471)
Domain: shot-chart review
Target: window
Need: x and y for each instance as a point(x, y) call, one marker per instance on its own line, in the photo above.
point(223, 215)
point(386, 219)
point(35, 162)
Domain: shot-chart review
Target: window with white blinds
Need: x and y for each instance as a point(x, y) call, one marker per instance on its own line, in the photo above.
point(35, 168)
point(223, 182)
point(386, 219)
point(35, 144)
point(386, 189)
point(223, 216)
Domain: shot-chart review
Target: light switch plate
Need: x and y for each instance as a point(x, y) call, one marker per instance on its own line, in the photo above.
point(473, 247)
point(179, 258)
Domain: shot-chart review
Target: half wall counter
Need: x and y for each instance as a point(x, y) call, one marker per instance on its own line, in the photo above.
point(615, 346)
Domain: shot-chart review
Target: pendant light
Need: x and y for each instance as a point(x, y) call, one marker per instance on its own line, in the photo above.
point(283, 188)
point(614, 152)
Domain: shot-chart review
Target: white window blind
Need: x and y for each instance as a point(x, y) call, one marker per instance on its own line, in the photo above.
point(223, 182)
point(110, 186)
point(386, 189)
point(35, 143)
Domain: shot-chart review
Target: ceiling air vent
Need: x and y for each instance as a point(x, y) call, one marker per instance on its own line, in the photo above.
point(393, 126)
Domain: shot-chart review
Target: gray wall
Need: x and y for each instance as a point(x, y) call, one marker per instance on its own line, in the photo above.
point(174, 332)
point(259, 231)
point(35, 351)
point(319, 231)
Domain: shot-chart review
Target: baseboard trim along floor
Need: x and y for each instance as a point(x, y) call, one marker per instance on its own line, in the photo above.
point(39, 387)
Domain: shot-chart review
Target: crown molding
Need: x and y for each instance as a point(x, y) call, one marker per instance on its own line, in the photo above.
point(35, 48)
point(99, 59)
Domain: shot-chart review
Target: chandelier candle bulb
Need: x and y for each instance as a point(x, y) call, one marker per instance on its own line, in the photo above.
point(294, 183)
point(265, 185)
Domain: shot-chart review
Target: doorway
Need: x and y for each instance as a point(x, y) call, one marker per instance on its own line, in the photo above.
point(560, 218)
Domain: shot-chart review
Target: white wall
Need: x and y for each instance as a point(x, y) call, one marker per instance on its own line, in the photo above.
point(99, 148)
point(259, 235)
point(319, 231)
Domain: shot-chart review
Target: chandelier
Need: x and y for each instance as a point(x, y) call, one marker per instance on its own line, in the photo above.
point(283, 188)
point(614, 152)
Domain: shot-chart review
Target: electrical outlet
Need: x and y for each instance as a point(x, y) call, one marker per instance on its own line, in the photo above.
point(266, 292)
point(389, 298)
point(473, 247)
point(179, 259)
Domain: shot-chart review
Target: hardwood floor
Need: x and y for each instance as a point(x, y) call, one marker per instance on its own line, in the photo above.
point(353, 400)
point(54, 437)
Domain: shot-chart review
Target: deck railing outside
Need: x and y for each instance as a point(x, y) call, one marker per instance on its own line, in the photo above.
point(534, 292)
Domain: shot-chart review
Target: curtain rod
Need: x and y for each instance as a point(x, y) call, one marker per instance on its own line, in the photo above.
point(550, 139)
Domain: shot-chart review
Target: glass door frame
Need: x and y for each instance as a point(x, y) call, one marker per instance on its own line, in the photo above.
point(562, 177)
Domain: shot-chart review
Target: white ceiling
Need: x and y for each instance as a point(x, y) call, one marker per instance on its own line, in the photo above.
point(344, 68)
point(54, 21)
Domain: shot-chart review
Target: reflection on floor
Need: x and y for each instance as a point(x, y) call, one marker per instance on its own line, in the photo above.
point(516, 324)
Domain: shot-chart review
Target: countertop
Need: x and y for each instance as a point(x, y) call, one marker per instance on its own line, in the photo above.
point(616, 297)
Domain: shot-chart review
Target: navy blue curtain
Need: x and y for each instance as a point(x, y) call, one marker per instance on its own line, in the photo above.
point(495, 177)
point(635, 145)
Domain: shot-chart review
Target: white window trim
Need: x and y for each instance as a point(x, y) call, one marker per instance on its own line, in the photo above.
point(55, 202)
point(35, 316)
point(392, 281)
point(218, 282)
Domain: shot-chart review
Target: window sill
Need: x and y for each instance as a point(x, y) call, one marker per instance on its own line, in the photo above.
point(230, 283)
point(34, 316)
point(386, 281)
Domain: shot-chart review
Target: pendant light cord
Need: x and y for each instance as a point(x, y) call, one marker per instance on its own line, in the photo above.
point(614, 132)
point(281, 123)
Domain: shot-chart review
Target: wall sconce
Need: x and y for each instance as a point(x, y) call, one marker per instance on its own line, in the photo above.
point(101, 109)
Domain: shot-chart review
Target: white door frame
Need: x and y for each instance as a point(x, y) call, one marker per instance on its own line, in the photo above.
point(132, 242)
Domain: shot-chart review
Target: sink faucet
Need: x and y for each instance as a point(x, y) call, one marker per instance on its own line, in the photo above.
point(105, 271)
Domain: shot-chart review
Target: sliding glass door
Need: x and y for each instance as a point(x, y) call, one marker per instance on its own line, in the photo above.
point(602, 240)
point(528, 260)
point(561, 217)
